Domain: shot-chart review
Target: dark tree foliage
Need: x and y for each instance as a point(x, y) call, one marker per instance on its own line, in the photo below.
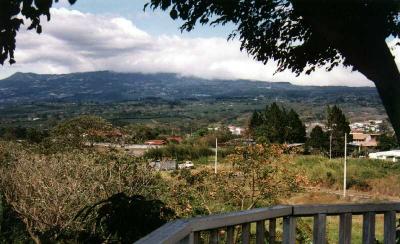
point(32, 135)
point(141, 133)
point(12, 13)
point(12, 229)
point(276, 125)
point(302, 35)
point(338, 126)
point(255, 120)
point(76, 131)
point(387, 142)
point(296, 130)
point(124, 219)
point(179, 152)
point(319, 140)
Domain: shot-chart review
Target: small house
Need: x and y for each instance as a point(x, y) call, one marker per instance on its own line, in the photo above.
point(362, 139)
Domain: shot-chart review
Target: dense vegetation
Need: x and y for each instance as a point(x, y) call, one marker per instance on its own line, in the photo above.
point(388, 142)
point(58, 186)
point(374, 176)
point(276, 125)
point(179, 152)
point(333, 139)
point(62, 189)
point(47, 190)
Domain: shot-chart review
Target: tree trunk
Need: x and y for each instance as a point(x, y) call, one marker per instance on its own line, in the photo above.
point(374, 59)
point(389, 91)
point(366, 50)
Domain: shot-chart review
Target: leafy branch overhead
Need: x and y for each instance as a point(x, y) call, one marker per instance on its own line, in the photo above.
point(12, 15)
point(300, 35)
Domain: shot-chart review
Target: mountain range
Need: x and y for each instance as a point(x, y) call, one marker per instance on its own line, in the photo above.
point(106, 86)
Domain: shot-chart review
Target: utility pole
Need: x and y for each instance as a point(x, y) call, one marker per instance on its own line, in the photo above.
point(345, 165)
point(216, 155)
point(330, 146)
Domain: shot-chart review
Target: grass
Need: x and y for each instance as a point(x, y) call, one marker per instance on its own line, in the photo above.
point(332, 230)
point(205, 160)
point(356, 235)
point(375, 176)
point(380, 177)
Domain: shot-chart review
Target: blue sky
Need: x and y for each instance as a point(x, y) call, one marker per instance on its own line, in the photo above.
point(154, 22)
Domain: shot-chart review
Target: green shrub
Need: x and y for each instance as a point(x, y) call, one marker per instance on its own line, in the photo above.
point(329, 173)
point(124, 219)
point(358, 184)
point(47, 190)
point(12, 229)
point(179, 152)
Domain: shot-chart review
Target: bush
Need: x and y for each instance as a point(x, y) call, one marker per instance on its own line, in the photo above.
point(125, 219)
point(257, 176)
point(179, 152)
point(74, 133)
point(360, 172)
point(12, 229)
point(47, 191)
point(358, 184)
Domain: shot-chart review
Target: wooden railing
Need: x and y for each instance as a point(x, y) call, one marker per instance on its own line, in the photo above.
point(236, 226)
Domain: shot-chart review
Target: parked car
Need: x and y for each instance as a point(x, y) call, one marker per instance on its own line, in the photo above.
point(186, 165)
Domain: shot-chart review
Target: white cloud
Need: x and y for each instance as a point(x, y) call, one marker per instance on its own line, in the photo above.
point(77, 42)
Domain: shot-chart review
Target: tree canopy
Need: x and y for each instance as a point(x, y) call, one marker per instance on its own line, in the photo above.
point(277, 125)
point(319, 140)
point(12, 14)
point(387, 142)
point(85, 128)
point(338, 126)
point(300, 35)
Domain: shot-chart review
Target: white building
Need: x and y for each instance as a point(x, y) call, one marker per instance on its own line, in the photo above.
point(393, 155)
point(236, 130)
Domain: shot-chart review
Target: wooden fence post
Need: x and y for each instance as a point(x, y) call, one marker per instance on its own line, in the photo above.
point(345, 228)
point(369, 228)
point(289, 230)
point(319, 230)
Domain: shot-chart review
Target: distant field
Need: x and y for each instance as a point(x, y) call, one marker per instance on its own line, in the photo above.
point(370, 181)
point(367, 180)
point(376, 178)
point(186, 115)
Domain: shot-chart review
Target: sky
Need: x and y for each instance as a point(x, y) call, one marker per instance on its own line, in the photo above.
point(119, 36)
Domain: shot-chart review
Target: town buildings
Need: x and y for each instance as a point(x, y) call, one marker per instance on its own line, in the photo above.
point(371, 126)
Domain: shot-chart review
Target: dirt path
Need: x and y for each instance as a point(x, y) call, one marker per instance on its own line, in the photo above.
point(353, 195)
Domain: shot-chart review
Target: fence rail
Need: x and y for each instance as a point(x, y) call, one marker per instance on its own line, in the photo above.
point(236, 226)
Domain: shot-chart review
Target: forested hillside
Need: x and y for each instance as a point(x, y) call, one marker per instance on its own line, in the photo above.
point(105, 86)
